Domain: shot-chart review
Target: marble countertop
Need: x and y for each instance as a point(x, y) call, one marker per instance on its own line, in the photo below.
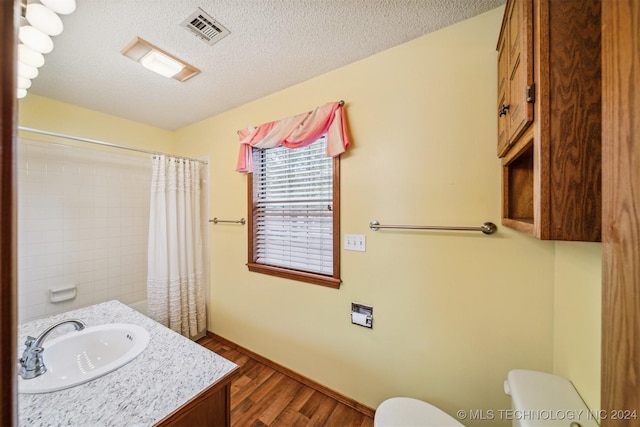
point(166, 375)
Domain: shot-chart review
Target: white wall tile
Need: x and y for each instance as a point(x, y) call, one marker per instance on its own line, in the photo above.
point(83, 220)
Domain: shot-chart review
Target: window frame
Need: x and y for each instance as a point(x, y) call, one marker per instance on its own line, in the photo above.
point(332, 281)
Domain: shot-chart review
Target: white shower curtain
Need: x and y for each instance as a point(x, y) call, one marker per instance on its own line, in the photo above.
point(175, 288)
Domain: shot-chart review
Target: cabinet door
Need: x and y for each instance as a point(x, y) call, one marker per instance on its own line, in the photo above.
point(503, 121)
point(520, 71)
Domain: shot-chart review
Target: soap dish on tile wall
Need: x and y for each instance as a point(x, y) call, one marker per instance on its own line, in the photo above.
point(63, 294)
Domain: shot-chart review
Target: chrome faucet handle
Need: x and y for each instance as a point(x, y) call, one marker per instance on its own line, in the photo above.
point(33, 365)
point(27, 349)
point(30, 357)
point(32, 360)
point(29, 342)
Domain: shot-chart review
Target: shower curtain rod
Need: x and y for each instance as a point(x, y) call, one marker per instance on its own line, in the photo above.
point(103, 143)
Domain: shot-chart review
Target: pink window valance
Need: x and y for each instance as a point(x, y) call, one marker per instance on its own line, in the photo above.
point(295, 132)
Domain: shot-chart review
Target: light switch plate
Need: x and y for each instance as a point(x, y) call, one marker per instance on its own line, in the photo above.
point(355, 242)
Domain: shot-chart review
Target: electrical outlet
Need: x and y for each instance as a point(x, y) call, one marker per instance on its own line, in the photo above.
point(355, 242)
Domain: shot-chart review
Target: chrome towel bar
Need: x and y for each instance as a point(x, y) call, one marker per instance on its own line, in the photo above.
point(240, 221)
point(486, 228)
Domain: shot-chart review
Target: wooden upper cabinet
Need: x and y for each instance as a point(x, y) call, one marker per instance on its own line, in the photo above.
point(549, 130)
point(515, 74)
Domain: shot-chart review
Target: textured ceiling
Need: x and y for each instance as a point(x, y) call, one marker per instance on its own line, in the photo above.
point(273, 44)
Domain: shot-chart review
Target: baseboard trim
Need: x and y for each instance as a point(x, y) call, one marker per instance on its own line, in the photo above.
point(363, 409)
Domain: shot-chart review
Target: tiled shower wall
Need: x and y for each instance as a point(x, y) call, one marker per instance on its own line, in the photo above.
point(83, 219)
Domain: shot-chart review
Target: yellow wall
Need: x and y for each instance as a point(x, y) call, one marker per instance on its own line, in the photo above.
point(577, 322)
point(55, 116)
point(454, 312)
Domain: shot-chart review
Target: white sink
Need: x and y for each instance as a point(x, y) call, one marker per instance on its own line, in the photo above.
point(79, 357)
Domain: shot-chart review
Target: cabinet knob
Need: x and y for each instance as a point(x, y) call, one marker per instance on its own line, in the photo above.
point(503, 110)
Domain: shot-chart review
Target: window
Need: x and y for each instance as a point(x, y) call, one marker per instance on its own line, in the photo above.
point(294, 218)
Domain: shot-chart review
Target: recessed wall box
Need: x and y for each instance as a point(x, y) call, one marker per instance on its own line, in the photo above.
point(362, 315)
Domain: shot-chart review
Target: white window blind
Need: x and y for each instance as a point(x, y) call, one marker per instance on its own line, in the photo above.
point(293, 208)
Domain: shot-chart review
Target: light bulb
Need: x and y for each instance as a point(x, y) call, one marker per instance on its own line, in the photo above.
point(35, 39)
point(23, 83)
point(27, 71)
point(21, 93)
point(44, 19)
point(28, 56)
point(63, 7)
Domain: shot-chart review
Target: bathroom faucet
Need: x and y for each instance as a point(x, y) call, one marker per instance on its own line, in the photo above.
point(32, 361)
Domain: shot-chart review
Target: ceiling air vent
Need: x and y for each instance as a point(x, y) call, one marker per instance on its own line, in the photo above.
point(205, 27)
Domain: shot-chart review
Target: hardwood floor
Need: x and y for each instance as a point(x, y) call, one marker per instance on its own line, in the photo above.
point(262, 396)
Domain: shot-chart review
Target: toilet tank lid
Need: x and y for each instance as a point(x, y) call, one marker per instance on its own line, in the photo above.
point(540, 391)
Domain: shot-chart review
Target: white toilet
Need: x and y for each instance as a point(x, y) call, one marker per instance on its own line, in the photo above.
point(408, 412)
point(539, 399)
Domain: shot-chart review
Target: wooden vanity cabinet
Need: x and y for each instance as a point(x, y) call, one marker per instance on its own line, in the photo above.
point(551, 158)
point(210, 408)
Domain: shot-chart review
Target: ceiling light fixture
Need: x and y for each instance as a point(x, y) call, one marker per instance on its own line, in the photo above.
point(28, 56)
point(44, 19)
point(37, 23)
point(161, 64)
point(24, 83)
point(35, 39)
point(27, 71)
point(159, 61)
point(62, 7)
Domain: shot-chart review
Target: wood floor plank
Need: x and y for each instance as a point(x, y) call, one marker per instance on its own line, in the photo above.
point(246, 413)
point(321, 418)
point(318, 408)
point(264, 390)
point(264, 397)
point(288, 418)
point(287, 390)
point(291, 415)
point(258, 376)
point(345, 416)
point(301, 399)
point(261, 399)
